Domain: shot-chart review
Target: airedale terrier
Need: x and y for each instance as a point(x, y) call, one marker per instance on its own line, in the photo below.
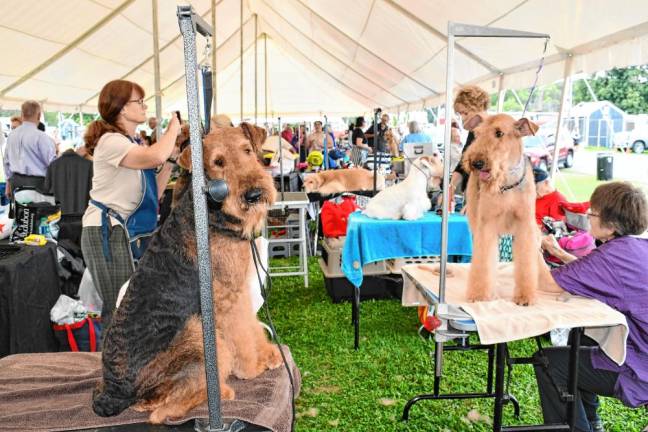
point(501, 200)
point(153, 350)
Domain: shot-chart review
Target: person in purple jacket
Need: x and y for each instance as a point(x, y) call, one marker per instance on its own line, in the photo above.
point(615, 273)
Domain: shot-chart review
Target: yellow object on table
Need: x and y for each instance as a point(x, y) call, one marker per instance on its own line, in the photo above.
point(35, 240)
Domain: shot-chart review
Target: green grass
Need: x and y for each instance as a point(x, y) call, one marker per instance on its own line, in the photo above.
point(365, 390)
point(575, 186)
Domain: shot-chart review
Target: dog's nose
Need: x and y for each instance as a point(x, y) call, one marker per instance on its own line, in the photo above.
point(253, 195)
point(478, 164)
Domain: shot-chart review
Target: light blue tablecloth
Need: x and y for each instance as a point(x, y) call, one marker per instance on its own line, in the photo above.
point(369, 240)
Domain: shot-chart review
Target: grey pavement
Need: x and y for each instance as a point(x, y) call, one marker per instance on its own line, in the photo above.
point(626, 166)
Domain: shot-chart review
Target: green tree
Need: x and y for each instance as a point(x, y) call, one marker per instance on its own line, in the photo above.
point(627, 88)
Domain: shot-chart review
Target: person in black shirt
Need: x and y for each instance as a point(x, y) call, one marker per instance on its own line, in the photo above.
point(471, 104)
point(383, 127)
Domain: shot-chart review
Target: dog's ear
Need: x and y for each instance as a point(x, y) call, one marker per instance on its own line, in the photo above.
point(474, 121)
point(184, 160)
point(526, 127)
point(255, 134)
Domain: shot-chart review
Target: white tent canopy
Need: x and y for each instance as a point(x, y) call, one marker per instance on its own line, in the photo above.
point(324, 56)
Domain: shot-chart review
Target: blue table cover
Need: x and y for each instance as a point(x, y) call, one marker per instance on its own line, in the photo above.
point(369, 240)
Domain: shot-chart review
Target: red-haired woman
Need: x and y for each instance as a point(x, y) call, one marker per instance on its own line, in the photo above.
point(125, 188)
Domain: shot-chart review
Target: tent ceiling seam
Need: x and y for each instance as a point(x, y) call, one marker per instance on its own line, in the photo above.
point(441, 35)
point(167, 45)
point(389, 64)
point(324, 70)
point(6, 27)
point(308, 38)
point(92, 30)
point(364, 29)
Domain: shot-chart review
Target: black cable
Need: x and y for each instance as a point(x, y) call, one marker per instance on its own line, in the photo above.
point(256, 258)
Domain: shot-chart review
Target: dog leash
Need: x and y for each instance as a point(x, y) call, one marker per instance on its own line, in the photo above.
point(535, 81)
point(519, 182)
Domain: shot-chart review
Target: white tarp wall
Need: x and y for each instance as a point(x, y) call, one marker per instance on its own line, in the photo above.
point(328, 56)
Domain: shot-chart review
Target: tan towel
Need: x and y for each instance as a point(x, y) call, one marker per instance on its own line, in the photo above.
point(501, 320)
point(53, 392)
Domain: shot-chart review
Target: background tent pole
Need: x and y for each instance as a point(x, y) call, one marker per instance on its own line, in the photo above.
point(156, 66)
point(563, 98)
point(214, 60)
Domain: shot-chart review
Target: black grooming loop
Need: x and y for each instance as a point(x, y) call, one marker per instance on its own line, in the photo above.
point(210, 193)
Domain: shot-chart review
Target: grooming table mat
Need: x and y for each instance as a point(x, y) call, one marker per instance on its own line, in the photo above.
point(500, 320)
point(53, 392)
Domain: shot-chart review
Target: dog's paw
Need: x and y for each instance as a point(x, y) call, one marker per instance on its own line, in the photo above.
point(478, 294)
point(227, 392)
point(273, 357)
point(478, 297)
point(525, 299)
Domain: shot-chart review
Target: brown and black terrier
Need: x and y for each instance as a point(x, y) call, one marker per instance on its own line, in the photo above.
point(501, 200)
point(153, 349)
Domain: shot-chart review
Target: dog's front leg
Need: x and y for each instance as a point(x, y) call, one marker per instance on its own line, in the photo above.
point(525, 258)
point(481, 277)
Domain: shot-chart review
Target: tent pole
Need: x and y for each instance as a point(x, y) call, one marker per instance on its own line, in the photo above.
point(241, 59)
point(256, 61)
point(265, 72)
point(449, 113)
point(501, 94)
point(213, 53)
point(156, 66)
point(563, 99)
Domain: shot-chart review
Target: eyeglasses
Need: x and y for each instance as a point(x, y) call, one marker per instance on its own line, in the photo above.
point(139, 101)
point(590, 214)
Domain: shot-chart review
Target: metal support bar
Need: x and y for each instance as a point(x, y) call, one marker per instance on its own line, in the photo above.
point(241, 58)
point(281, 177)
point(375, 150)
point(501, 94)
point(256, 61)
point(189, 24)
point(214, 58)
point(566, 90)
point(265, 73)
point(156, 69)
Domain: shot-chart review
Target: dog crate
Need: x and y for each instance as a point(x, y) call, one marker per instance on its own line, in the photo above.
point(395, 265)
point(377, 287)
point(332, 260)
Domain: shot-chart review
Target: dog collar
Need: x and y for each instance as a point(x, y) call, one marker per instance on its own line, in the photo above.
point(521, 164)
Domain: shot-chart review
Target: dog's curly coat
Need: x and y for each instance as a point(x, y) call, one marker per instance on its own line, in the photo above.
point(496, 161)
point(153, 350)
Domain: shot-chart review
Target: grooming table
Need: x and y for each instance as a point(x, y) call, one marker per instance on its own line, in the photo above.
point(53, 392)
point(369, 240)
point(500, 321)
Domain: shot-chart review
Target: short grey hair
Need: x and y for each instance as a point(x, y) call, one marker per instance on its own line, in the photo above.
point(30, 109)
point(414, 127)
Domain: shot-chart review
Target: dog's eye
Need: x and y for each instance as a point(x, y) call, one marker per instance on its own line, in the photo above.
point(499, 134)
point(248, 151)
point(219, 162)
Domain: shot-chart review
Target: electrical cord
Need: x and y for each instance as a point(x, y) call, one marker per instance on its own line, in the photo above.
point(256, 258)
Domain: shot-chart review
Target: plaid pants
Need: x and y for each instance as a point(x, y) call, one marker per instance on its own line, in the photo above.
point(108, 276)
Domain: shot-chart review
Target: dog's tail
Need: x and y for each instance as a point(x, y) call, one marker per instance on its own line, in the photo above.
point(105, 404)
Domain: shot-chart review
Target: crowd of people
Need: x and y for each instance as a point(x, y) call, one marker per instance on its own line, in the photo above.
point(130, 170)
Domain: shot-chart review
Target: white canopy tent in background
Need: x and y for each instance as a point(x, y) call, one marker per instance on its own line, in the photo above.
point(324, 56)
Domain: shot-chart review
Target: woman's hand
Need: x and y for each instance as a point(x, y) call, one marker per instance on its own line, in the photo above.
point(550, 244)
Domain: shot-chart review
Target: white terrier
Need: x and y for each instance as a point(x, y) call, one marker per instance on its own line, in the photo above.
point(408, 199)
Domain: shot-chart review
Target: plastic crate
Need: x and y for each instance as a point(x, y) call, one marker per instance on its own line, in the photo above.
point(376, 287)
point(332, 259)
point(279, 250)
point(394, 265)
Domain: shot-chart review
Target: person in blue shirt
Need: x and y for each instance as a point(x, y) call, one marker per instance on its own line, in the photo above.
point(415, 135)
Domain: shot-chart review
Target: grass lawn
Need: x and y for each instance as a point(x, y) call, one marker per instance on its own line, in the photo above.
point(576, 187)
point(345, 390)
